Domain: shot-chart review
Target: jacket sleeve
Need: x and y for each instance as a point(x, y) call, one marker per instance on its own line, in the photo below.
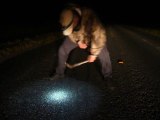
point(98, 40)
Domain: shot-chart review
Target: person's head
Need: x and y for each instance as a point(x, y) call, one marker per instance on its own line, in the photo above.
point(70, 20)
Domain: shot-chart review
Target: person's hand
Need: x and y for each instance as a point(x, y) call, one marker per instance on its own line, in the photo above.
point(91, 58)
point(82, 45)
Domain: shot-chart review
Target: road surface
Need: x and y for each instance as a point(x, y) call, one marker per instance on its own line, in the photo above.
point(133, 93)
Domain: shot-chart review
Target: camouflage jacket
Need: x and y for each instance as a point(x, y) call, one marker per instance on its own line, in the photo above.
point(91, 32)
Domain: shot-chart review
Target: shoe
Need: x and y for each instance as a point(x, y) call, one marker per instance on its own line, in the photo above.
point(109, 83)
point(57, 77)
point(107, 78)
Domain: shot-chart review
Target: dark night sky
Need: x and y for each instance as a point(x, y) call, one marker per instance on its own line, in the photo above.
point(44, 14)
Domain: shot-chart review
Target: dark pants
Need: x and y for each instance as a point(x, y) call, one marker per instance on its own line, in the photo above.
point(67, 46)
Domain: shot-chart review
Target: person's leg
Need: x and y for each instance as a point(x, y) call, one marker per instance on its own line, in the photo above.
point(105, 61)
point(63, 53)
point(106, 66)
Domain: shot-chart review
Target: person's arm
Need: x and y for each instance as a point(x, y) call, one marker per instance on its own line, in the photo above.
point(97, 43)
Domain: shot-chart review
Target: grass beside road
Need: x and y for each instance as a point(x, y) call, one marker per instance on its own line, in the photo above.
point(151, 31)
point(10, 49)
point(150, 34)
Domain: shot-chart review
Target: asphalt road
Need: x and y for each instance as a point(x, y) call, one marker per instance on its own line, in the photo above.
point(133, 94)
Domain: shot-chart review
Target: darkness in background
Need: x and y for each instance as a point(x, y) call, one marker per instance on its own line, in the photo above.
point(27, 18)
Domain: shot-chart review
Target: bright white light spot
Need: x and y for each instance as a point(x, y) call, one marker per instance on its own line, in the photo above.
point(58, 96)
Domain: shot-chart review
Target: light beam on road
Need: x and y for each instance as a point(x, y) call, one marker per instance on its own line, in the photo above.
point(58, 96)
point(68, 98)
